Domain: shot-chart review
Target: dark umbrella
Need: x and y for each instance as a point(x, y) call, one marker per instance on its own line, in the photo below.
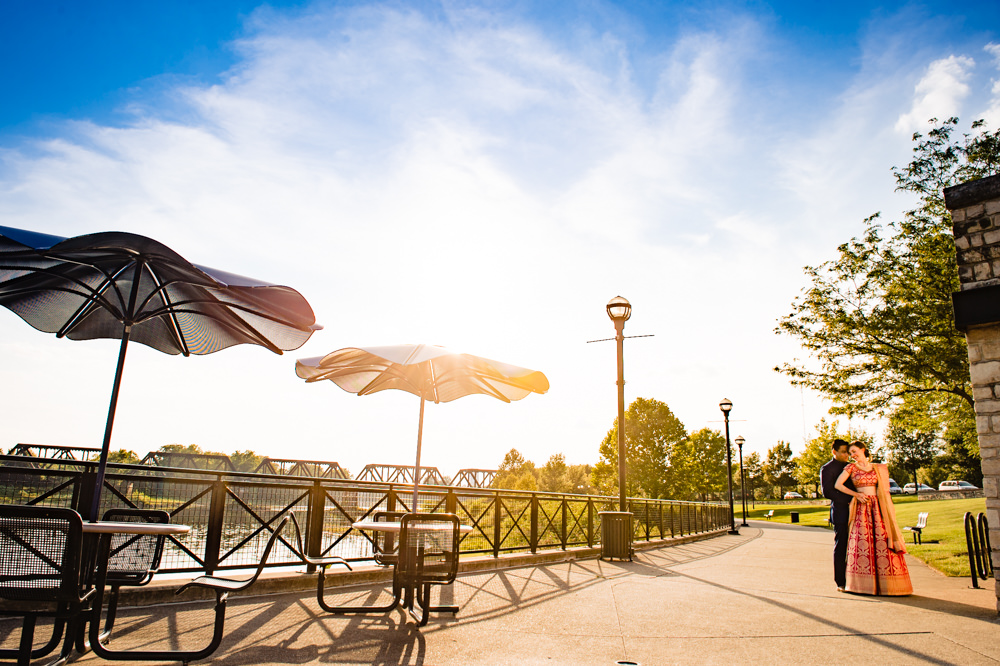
point(124, 286)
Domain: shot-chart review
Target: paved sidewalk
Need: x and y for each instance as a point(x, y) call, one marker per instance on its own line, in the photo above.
point(766, 596)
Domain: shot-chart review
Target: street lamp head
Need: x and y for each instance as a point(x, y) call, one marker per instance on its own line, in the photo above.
point(726, 405)
point(619, 309)
point(739, 441)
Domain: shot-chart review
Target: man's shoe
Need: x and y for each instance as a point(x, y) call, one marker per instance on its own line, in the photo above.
point(840, 589)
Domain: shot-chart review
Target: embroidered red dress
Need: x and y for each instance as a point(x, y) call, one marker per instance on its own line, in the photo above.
point(873, 567)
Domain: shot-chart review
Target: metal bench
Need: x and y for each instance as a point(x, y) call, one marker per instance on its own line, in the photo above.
point(41, 566)
point(133, 558)
point(918, 528)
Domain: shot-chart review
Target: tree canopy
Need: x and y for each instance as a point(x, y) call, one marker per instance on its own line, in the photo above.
point(819, 450)
point(909, 449)
point(779, 467)
point(699, 465)
point(651, 431)
point(878, 317)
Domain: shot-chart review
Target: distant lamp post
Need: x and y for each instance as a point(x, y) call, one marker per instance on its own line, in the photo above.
point(743, 480)
point(619, 309)
point(727, 406)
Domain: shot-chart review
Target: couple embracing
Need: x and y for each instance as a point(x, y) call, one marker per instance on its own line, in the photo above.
point(868, 546)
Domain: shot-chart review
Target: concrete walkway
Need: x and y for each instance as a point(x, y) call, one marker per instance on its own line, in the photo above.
point(766, 596)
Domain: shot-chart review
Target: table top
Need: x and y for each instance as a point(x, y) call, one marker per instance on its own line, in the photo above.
point(396, 526)
point(113, 527)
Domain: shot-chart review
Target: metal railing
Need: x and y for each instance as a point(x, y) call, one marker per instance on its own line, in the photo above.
point(977, 538)
point(232, 514)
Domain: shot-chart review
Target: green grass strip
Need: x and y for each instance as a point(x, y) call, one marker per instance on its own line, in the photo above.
point(944, 547)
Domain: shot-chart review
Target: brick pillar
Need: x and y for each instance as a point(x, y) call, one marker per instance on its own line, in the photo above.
point(975, 212)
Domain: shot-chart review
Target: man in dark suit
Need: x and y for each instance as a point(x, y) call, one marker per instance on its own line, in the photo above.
point(840, 508)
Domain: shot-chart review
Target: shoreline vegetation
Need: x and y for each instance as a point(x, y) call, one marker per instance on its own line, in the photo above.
point(943, 548)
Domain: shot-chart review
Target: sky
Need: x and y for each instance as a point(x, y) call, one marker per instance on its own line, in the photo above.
point(479, 175)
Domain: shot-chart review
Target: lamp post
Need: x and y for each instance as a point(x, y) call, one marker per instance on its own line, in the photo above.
point(726, 406)
point(619, 309)
point(743, 481)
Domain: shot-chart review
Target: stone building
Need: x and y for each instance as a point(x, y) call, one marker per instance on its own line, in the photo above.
point(975, 211)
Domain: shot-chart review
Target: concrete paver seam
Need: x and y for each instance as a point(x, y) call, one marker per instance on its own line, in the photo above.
point(618, 619)
point(970, 649)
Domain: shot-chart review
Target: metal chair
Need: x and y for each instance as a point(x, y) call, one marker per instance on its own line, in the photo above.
point(133, 558)
point(321, 562)
point(386, 549)
point(40, 563)
point(222, 587)
point(428, 555)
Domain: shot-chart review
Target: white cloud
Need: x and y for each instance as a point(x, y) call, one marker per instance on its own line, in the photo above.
point(467, 181)
point(939, 94)
point(992, 113)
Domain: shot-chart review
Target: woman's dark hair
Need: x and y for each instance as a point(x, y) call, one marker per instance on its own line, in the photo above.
point(861, 445)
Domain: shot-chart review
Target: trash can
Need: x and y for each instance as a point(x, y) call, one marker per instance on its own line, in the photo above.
point(616, 535)
point(794, 515)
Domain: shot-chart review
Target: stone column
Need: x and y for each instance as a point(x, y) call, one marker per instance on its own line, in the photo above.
point(975, 212)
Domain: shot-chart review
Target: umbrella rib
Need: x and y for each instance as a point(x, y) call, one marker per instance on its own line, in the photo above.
point(88, 292)
point(227, 307)
point(175, 326)
point(109, 277)
point(227, 322)
point(395, 373)
point(92, 301)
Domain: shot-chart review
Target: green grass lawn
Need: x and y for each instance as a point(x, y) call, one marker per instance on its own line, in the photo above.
point(945, 527)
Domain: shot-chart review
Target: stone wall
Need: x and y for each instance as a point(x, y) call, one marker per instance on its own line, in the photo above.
point(975, 210)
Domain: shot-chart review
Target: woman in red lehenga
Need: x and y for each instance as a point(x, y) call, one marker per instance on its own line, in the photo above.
point(875, 548)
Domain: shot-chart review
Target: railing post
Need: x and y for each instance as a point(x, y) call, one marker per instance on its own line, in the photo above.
point(314, 522)
point(533, 534)
point(659, 516)
point(564, 523)
point(590, 522)
point(497, 513)
point(83, 494)
point(450, 502)
point(216, 518)
point(645, 516)
point(697, 518)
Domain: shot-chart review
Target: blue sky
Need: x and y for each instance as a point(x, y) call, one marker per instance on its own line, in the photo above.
point(483, 176)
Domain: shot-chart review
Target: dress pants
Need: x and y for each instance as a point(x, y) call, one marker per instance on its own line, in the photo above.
point(840, 529)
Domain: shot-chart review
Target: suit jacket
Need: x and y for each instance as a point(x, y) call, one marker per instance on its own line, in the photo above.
point(840, 503)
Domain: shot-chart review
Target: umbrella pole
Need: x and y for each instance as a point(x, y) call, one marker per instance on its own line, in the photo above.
point(102, 464)
point(106, 447)
point(416, 467)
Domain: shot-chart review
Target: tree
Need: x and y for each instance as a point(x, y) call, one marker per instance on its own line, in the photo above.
point(779, 468)
point(819, 451)
point(651, 430)
point(699, 465)
point(245, 461)
point(515, 473)
point(879, 317)
point(910, 449)
point(124, 457)
point(552, 477)
point(754, 472)
point(578, 479)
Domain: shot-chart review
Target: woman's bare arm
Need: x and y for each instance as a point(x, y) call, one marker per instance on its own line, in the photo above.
point(839, 485)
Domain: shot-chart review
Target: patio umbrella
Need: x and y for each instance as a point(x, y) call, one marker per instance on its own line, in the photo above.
point(124, 286)
point(431, 372)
